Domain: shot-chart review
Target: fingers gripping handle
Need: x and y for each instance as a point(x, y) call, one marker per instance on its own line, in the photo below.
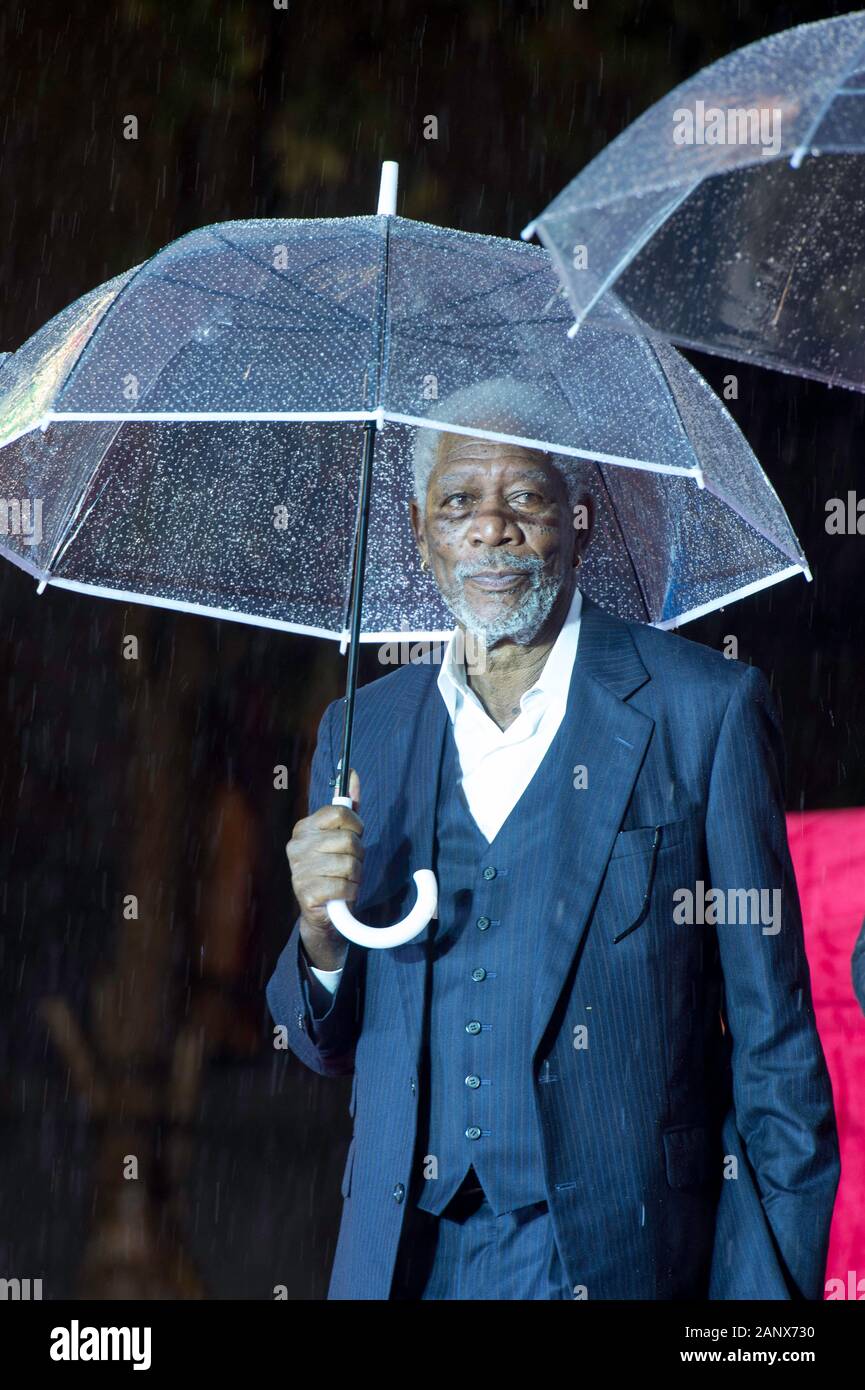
point(378, 938)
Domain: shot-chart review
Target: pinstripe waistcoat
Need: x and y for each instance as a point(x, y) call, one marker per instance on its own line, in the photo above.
point(483, 948)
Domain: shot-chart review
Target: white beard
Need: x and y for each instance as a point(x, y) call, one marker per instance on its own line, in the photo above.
point(520, 623)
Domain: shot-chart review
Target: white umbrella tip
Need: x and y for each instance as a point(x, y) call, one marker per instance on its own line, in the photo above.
point(388, 188)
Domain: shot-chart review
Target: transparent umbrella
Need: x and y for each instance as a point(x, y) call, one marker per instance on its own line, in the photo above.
point(730, 216)
point(229, 429)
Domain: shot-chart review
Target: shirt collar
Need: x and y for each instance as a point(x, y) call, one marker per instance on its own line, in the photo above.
point(553, 682)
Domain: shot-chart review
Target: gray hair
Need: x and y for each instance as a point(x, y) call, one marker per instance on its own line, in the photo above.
point(508, 406)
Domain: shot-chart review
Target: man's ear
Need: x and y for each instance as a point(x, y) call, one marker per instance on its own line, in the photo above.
point(416, 519)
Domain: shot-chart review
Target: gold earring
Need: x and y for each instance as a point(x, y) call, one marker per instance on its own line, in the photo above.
point(579, 562)
point(423, 564)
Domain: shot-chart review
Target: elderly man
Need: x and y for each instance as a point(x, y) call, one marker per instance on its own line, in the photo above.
point(562, 1089)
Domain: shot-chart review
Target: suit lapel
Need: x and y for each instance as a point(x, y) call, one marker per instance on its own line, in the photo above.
point(607, 738)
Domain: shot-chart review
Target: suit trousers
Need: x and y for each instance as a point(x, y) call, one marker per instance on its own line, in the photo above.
point(470, 1253)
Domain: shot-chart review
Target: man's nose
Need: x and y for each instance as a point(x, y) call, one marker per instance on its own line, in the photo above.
point(494, 523)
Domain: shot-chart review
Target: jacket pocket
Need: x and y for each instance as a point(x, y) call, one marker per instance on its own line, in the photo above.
point(629, 881)
point(642, 839)
point(345, 1185)
point(689, 1156)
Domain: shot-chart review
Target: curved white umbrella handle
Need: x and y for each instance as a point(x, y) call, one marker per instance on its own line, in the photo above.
point(379, 938)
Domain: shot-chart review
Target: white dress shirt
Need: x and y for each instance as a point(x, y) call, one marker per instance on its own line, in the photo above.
point(498, 764)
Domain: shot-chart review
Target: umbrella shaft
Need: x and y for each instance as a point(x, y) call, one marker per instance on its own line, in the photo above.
point(356, 604)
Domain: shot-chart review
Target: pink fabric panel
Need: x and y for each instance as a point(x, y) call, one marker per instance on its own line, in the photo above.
point(828, 849)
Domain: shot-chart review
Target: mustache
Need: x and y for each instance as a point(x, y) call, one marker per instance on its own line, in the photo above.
point(530, 564)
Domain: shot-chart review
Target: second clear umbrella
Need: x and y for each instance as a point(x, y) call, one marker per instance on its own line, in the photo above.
point(730, 216)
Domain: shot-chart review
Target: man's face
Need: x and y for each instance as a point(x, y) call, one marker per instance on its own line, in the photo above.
point(498, 534)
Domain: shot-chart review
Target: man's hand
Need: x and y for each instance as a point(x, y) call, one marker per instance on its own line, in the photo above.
point(325, 854)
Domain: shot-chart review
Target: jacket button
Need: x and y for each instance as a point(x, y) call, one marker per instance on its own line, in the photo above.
point(301, 1022)
point(473, 1082)
point(413, 1086)
point(479, 973)
point(482, 923)
point(398, 1192)
point(473, 1132)
point(473, 1027)
point(489, 872)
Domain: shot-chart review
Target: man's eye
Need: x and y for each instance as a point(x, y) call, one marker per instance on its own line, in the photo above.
point(458, 500)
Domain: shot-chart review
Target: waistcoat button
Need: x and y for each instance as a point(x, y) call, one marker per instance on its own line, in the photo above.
point(473, 1027)
point(473, 1132)
point(479, 973)
point(482, 923)
point(398, 1192)
point(473, 1082)
point(489, 872)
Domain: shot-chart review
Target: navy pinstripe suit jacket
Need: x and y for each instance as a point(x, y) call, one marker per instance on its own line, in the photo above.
point(689, 1141)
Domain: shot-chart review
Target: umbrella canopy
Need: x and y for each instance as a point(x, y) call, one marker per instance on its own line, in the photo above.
point(194, 429)
point(236, 426)
point(731, 215)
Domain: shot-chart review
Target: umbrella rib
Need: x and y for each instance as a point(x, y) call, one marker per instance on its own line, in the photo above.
point(292, 280)
point(424, 335)
point(133, 275)
point(804, 145)
point(628, 257)
point(77, 520)
point(65, 534)
point(235, 297)
point(180, 347)
point(627, 548)
point(761, 531)
point(474, 296)
point(707, 481)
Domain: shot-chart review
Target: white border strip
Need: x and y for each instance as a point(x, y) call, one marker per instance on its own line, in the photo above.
point(379, 416)
point(205, 611)
point(545, 445)
point(734, 596)
point(386, 635)
point(199, 416)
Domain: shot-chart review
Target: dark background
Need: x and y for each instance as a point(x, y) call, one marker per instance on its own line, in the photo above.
point(249, 111)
